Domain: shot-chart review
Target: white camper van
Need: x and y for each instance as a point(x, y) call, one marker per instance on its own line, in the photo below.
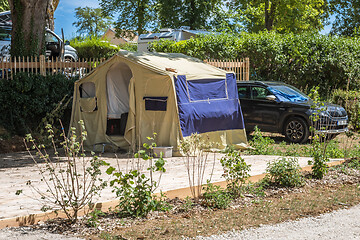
point(176, 35)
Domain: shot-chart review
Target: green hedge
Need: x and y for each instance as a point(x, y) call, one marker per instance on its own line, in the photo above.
point(350, 100)
point(93, 47)
point(27, 99)
point(305, 60)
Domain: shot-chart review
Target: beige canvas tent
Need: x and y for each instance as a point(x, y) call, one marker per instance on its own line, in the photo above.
point(132, 95)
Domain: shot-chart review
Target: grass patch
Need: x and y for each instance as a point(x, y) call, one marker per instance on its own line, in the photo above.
point(275, 144)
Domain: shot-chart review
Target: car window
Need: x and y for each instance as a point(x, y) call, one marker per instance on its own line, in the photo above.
point(259, 93)
point(288, 93)
point(243, 92)
point(50, 38)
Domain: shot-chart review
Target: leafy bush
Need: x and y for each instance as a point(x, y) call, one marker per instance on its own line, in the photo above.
point(28, 98)
point(215, 197)
point(93, 218)
point(135, 190)
point(236, 170)
point(94, 47)
point(350, 100)
point(284, 172)
point(304, 60)
point(262, 145)
point(132, 47)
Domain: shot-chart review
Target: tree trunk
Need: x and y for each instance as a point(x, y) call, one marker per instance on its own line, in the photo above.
point(269, 14)
point(28, 28)
point(50, 14)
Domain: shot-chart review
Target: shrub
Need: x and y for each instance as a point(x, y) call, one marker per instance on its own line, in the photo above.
point(135, 190)
point(319, 145)
point(28, 98)
point(196, 152)
point(236, 170)
point(132, 47)
point(94, 47)
point(304, 60)
point(71, 184)
point(262, 145)
point(350, 100)
point(215, 197)
point(284, 172)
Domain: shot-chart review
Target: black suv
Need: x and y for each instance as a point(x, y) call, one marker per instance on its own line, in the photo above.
point(281, 108)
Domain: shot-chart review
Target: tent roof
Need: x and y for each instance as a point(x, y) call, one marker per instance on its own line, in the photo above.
point(174, 63)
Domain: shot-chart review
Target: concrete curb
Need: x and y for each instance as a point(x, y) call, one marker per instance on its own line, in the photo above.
point(179, 193)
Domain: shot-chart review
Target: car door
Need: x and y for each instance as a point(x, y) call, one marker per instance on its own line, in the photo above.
point(53, 45)
point(245, 103)
point(264, 113)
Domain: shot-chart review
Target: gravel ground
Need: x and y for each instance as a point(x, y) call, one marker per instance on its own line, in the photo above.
point(28, 233)
point(341, 224)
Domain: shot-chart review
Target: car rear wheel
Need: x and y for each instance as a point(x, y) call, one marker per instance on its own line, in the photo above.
point(296, 130)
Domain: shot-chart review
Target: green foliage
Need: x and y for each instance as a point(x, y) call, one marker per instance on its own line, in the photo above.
point(193, 13)
point(282, 16)
point(131, 47)
point(284, 172)
point(350, 100)
point(93, 218)
point(91, 21)
point(28, 98)
point(215, 197)
point(135, 190)
point(303, 60)
point(318, 144)
point(236, 170)
point(187, 205)
point(262, 145)
point(4, 5)
point(94, 47)
point(137, 15)
point(72, 184)
point(347, 17)
point(353, 163)
point(255, 189)
point(135, 194)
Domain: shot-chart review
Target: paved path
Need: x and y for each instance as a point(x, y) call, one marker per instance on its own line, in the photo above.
point(17, 168)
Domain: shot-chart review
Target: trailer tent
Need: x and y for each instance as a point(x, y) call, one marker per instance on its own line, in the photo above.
point(132, 95)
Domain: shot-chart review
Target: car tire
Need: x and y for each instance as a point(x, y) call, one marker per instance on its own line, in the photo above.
point(296, 130)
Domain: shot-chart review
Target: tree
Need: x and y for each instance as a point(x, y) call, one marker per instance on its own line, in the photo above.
point(28, 28)
point(91, 21)
point(4, 5)
point(347, 17)
point(50, 13)
point(197, 14)
point(282, 15)
point(134, 16)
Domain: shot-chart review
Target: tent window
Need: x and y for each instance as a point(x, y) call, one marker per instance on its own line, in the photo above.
point(155, 103)
point(87, 90)
point(206, 90)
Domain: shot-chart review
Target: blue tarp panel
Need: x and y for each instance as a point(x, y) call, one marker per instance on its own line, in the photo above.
point(207, 105)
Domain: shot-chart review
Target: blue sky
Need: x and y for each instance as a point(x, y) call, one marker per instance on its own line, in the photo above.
point(65, 16)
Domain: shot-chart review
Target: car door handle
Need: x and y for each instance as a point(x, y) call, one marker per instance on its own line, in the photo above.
point(282, 109)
